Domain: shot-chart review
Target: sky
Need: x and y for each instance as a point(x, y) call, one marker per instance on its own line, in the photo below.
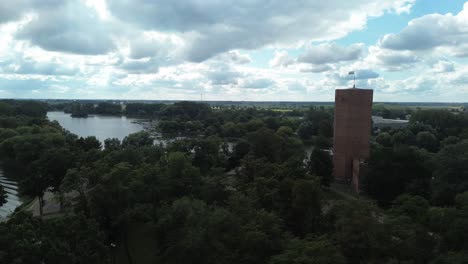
point(244, 50)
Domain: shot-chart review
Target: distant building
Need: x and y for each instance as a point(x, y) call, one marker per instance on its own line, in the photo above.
point(379, 122)
point(352, 130)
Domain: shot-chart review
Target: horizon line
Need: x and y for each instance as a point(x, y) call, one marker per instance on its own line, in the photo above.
point(237, 101)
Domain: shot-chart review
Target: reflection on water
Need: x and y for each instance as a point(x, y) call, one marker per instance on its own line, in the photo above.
point(102, 127)
point(13, 200)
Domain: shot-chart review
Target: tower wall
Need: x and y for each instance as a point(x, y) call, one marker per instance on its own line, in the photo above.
point(352, 129)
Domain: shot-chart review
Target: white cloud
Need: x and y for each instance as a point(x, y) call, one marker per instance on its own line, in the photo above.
point(223, 75)
point(443, 66)
point(69, 27)
point(281, 59)
point(390, 60)
point(236, 57)
point(315, 68)
point(41, 68)
point(178, 49)
point(256, 83)
point(164, 46)
point(331, 53)
point(433, 31)
point(218, 26)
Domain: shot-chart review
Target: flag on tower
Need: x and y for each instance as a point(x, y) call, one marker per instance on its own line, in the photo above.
point(351, 72)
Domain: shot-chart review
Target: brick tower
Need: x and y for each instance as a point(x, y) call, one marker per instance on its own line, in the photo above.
point(352, 129)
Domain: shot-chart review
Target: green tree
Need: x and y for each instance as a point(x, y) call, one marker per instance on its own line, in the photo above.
point(89, 143)
point(265, 143)
point(410, 241)
point(189, 231)
point(403, 137)
point(305, 206)
point(415, 207)
point(384, 139)
point(285, 131)
point(451, 173)
point(320, 164)
point(452, 258)
point(138, 139)
point(306, 130)
point(78, 180)
point(357, 232)
point(207, 153)
point(112, 144)
point(398, 170)
point(309, 251)
point(181, 177)
point(70, 239)
point(427, 140)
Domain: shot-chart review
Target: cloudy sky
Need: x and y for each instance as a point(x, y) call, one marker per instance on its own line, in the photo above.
point(276, 50)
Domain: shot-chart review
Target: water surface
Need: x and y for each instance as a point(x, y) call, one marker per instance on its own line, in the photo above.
point(102, 127)
point(13, 200)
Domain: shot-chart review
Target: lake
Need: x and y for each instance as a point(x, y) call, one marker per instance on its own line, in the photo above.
point(102, 127)
point(13, 200)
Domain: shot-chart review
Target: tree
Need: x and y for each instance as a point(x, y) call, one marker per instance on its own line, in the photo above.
point(455, 233)
point(207, 153)
point(357, 232)
point(240, 149)
point(415, 207)
point(80, 110)
point(325, 128)
point(230, 129)
point(305, 206)
point(427, 140)
point(138, 139)
point(403, 137)
point(265, 143)
point(189, 231)
point(410, 241)
point(285, 131)
point(451, 258)
point(320, 164)
point(105, 108)
point(112, 144)
point(384, 139)
point(55, 163)
point(70, 239)
point(260, 237)
point(180, 176)
point(89, 143)
point(36, 185)
point(6, 133)
point(306, 130)
point(309, 251)
point(77, 180)
point(398, 170)
point(451, 173)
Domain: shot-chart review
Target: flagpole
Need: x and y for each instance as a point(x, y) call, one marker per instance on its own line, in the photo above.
point(354, 80)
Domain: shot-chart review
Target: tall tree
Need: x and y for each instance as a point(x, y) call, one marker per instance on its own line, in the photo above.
point(451, 174)
point(394, 171)
point(320, 164)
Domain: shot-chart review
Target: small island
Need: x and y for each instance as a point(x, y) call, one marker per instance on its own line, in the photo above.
point(79, 110)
